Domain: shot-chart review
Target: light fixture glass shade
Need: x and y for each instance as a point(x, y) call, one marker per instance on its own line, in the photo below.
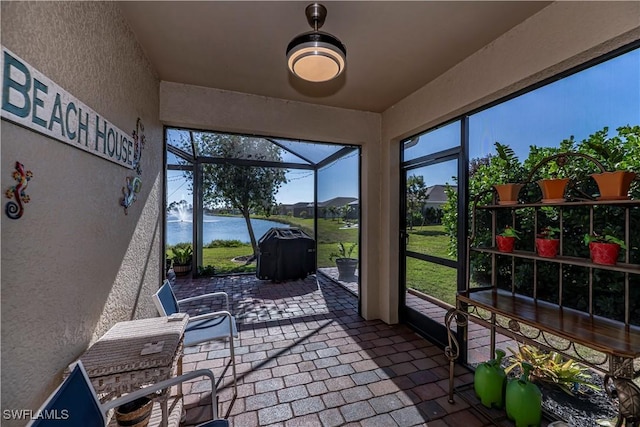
point(316, 56)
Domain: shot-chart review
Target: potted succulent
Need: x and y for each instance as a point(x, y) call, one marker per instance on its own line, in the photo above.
point(547, 242)
point(346, 265)
point(604, 248)
point(511, 172)
point(507, 239)
point(182, 254)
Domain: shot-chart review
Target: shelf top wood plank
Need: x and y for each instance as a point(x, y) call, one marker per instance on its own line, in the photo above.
point(605, 335)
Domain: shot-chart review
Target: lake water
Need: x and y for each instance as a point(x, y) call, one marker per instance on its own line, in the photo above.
point(217, 228)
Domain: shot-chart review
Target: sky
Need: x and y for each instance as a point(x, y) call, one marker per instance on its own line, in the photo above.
point(607, 94)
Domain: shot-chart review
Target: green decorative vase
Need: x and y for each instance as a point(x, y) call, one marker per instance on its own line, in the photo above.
point(489, 382)
point(524, 400)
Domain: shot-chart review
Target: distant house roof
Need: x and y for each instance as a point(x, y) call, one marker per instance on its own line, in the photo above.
point(437, 193)
point(336, 201)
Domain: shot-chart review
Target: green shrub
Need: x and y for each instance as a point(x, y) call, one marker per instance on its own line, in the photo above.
point(226, 244)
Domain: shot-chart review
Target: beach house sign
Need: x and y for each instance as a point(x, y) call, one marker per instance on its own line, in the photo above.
point(32, 100)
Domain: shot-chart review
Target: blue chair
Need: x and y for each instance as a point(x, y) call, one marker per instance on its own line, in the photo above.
point(204, 327)
point(75, 404)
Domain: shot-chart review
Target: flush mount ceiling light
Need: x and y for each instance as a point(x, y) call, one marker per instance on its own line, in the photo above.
point(316, 56)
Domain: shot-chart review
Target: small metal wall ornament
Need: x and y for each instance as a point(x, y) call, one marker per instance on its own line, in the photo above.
point(130, 190)
point(15, 208)
point(134, 184)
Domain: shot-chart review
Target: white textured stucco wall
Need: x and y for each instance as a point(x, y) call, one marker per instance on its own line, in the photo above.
point(74, 264)
point(225, 111)
point(560, 36)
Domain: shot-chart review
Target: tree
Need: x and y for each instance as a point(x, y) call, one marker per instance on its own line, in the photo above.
point(416, 197)
point(248, 189)
point(334, 212)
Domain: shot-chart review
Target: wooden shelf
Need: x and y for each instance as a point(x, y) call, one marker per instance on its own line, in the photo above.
point(605, 335)
point(582, 262)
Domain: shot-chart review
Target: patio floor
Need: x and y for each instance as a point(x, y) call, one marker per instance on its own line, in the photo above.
point(305, 358)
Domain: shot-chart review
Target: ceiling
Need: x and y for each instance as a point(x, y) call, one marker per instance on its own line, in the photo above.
point(393, 47)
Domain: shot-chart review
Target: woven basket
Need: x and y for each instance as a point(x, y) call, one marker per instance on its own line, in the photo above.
point(135, 414)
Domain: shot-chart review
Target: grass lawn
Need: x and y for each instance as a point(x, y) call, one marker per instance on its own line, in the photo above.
point(432, 279)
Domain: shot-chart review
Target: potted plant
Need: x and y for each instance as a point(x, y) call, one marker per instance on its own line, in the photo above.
point(134, 414)
point(614, 185)
point(547, 242)
point(346, 265)
point(604, 248)
point(507, 239)
point(511, 171)
point(182, 254)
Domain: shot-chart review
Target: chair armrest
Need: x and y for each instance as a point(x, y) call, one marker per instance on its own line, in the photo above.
point(209, 295)
point(165, 384)
point(211, 315)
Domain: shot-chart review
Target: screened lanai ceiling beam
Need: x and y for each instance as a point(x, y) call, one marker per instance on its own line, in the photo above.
point(260, 163)
point(290, 150)
point(335, 156)
point(181, 153)
point(180, 167)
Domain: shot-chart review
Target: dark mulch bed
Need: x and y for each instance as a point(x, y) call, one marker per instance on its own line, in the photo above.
point(584, 409)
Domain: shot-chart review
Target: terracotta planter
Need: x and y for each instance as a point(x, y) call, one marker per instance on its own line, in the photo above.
point(614, 185)
point(553, 189)
point(508, 193)
point(547, 248)
point(604, 253)
point(505, 244)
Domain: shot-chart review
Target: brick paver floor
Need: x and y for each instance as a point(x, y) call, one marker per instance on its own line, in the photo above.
point(305, 358)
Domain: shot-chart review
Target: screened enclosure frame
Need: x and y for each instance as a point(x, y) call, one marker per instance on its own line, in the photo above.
point(300, 160)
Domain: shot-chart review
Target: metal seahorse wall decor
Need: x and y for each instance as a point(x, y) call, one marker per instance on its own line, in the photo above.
point(134, 184)
point(15, 208)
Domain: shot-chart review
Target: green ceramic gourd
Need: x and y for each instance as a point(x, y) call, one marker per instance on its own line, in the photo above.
point(489, 382)
point(524, 400)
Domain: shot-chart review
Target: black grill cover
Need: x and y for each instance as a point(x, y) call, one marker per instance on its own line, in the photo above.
point(285, 254)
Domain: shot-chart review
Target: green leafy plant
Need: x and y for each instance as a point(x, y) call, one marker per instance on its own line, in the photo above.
point(511, 170)
point(343, 251)
point(603, 238)
point(207, 270)
point(182, 254)
point(549, 233)
point(510, 232)
point(551, 368)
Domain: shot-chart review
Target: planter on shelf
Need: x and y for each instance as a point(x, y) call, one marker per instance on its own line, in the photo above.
point(505, 243)
point(547, 248)
point(508, 193)
point(604, 249)
point(547, 245)
point(553, 189)
point(135, 414)
point(604, 253)
point(506, 240)
point(614, 185)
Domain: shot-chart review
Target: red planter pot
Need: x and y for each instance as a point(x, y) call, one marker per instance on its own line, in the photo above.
point(505, 244)
point(604, 253)
point(547, 248)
